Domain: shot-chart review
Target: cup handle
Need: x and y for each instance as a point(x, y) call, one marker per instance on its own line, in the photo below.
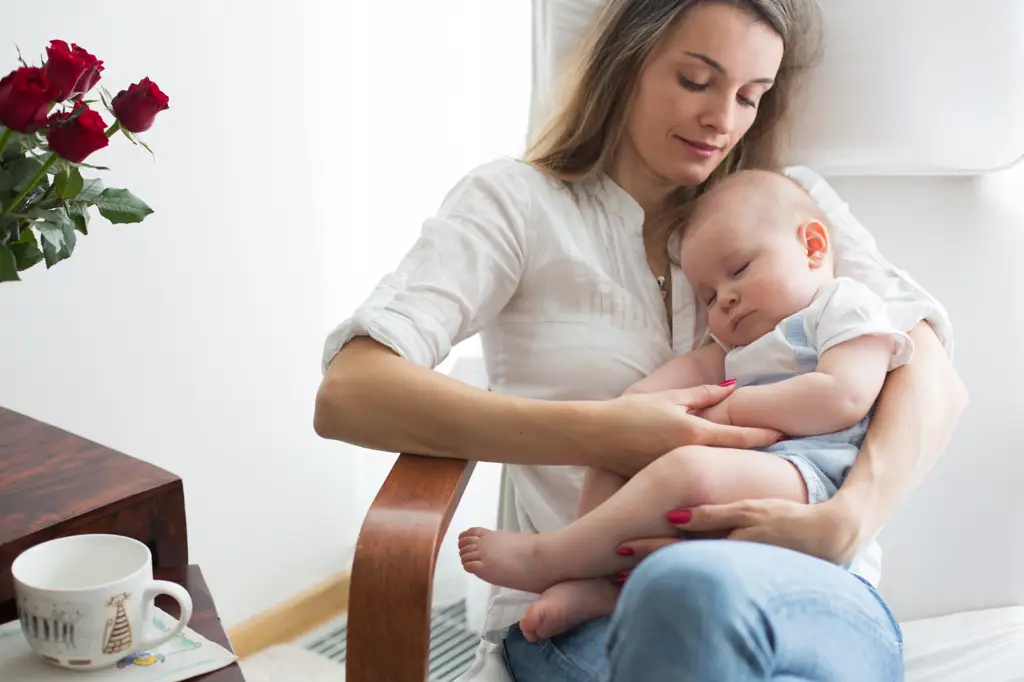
point(176, 592)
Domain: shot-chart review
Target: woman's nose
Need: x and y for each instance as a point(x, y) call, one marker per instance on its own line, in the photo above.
point(720, 115)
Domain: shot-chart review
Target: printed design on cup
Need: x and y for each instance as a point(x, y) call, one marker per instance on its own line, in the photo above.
point(54, 623)
point(179, 645)
point(117, 636)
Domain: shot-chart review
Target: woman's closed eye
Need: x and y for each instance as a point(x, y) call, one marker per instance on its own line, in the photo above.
point(694, 86)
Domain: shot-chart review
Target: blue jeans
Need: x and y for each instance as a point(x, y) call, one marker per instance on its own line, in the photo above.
point(723, 610)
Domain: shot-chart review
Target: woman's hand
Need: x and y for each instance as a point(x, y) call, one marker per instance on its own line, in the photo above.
point(828, 530)
point(645, 426)
point(718, 413)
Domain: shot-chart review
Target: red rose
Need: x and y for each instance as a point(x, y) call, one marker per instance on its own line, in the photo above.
point(75, 140)
point(24, 99)
point(66, 69)
point(136, 108)
point(91, 76)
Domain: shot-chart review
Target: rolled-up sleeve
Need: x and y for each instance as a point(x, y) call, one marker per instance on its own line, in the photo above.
point(857, 257)
point(459, 274)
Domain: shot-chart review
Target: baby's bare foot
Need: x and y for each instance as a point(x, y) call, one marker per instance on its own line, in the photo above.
point(509, 559)
point(565, 605)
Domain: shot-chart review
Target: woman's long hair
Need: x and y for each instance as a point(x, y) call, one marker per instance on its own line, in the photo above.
point(585, 132)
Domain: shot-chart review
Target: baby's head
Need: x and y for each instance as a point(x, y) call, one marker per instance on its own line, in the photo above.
point(756, 250)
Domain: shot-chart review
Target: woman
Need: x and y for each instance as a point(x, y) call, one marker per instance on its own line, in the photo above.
point(562, 263)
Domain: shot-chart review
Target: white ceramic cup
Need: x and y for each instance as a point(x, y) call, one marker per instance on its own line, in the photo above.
point(86, 601)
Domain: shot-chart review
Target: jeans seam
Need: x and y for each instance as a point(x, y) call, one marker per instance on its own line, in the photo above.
point(783, 604)
point(548, 644)
point(508, 664)
point(885, 607)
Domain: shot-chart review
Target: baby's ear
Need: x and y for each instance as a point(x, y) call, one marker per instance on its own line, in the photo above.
point(814, 235)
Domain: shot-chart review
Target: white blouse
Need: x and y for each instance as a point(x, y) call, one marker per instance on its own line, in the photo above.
point(556, 281)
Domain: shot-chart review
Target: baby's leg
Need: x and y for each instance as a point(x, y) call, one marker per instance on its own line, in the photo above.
point(567, 604)
point(685, 477)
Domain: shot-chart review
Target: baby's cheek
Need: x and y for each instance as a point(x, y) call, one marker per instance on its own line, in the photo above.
point(786, 297)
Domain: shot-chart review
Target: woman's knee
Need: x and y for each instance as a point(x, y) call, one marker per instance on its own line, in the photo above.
point(703, 578)
point(689, 598)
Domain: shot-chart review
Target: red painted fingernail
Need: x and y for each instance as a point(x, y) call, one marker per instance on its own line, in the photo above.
point(626, 551)
point(781, 438)
point(625, 574)
point(727, 383)
point(679, 516)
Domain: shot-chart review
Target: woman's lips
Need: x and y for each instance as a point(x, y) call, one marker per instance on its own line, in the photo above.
point(701, 149)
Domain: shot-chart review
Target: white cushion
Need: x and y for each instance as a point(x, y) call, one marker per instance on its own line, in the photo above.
point(914, 86)
point(973, 646)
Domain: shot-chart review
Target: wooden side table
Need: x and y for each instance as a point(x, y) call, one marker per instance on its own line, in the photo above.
point(205, 619)
point(54, 483)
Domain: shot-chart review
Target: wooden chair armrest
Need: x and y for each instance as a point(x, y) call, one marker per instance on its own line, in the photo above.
point(393, 569)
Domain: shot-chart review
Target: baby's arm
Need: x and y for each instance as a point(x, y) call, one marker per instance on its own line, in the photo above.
point(834, 397)
point(706, 365)
point(857, 346)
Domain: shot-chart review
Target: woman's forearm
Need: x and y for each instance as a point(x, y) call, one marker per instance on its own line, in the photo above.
point(916, 414)
point(373, 398)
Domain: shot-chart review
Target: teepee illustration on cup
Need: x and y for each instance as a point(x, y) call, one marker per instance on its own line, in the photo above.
point(117, 636)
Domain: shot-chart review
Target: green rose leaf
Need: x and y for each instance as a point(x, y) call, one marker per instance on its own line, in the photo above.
point(8, 228)
point(58, 240)
point(23, 170)
point(8, 265)
point(55, 216)
point(26, 253)
point(121, 206)
point(68, 183)
point(13, 149)
point(91, 189)
point(6, 182)
point(79, 213)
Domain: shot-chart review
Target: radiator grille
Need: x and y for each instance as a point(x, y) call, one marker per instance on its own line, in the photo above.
point(452, 643)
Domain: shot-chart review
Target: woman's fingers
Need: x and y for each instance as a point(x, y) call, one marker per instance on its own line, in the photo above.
point(643, 547)
point(709, 433)
point(718, 517)
point(739, 437)
point(700, 396)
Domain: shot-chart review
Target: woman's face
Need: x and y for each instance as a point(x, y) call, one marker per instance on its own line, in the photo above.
point(699, 93)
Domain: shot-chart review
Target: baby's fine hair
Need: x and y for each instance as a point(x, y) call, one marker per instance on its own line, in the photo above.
point(772, 190)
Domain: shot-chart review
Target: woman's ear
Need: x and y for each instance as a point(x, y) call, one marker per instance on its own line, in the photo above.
point(815, 238)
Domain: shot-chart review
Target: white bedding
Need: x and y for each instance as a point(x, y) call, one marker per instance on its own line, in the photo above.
point(973, 646)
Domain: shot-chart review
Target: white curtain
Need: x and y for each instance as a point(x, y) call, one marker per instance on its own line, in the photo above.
point(420, 94)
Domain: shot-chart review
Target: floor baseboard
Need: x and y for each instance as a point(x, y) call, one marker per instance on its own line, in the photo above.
point(293, 618)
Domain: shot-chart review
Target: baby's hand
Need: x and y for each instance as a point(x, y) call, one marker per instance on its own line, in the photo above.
point(718, 413)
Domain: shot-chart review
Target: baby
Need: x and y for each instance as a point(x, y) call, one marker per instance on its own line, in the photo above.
point(809, 352)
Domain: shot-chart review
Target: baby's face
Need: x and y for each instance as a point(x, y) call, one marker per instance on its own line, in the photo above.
point(749, 263)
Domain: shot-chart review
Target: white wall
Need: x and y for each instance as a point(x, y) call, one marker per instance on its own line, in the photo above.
point(956, 544)
point(302, 149)
point(304, 145)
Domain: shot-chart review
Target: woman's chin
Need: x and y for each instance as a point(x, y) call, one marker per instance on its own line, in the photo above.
point(691, 174)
